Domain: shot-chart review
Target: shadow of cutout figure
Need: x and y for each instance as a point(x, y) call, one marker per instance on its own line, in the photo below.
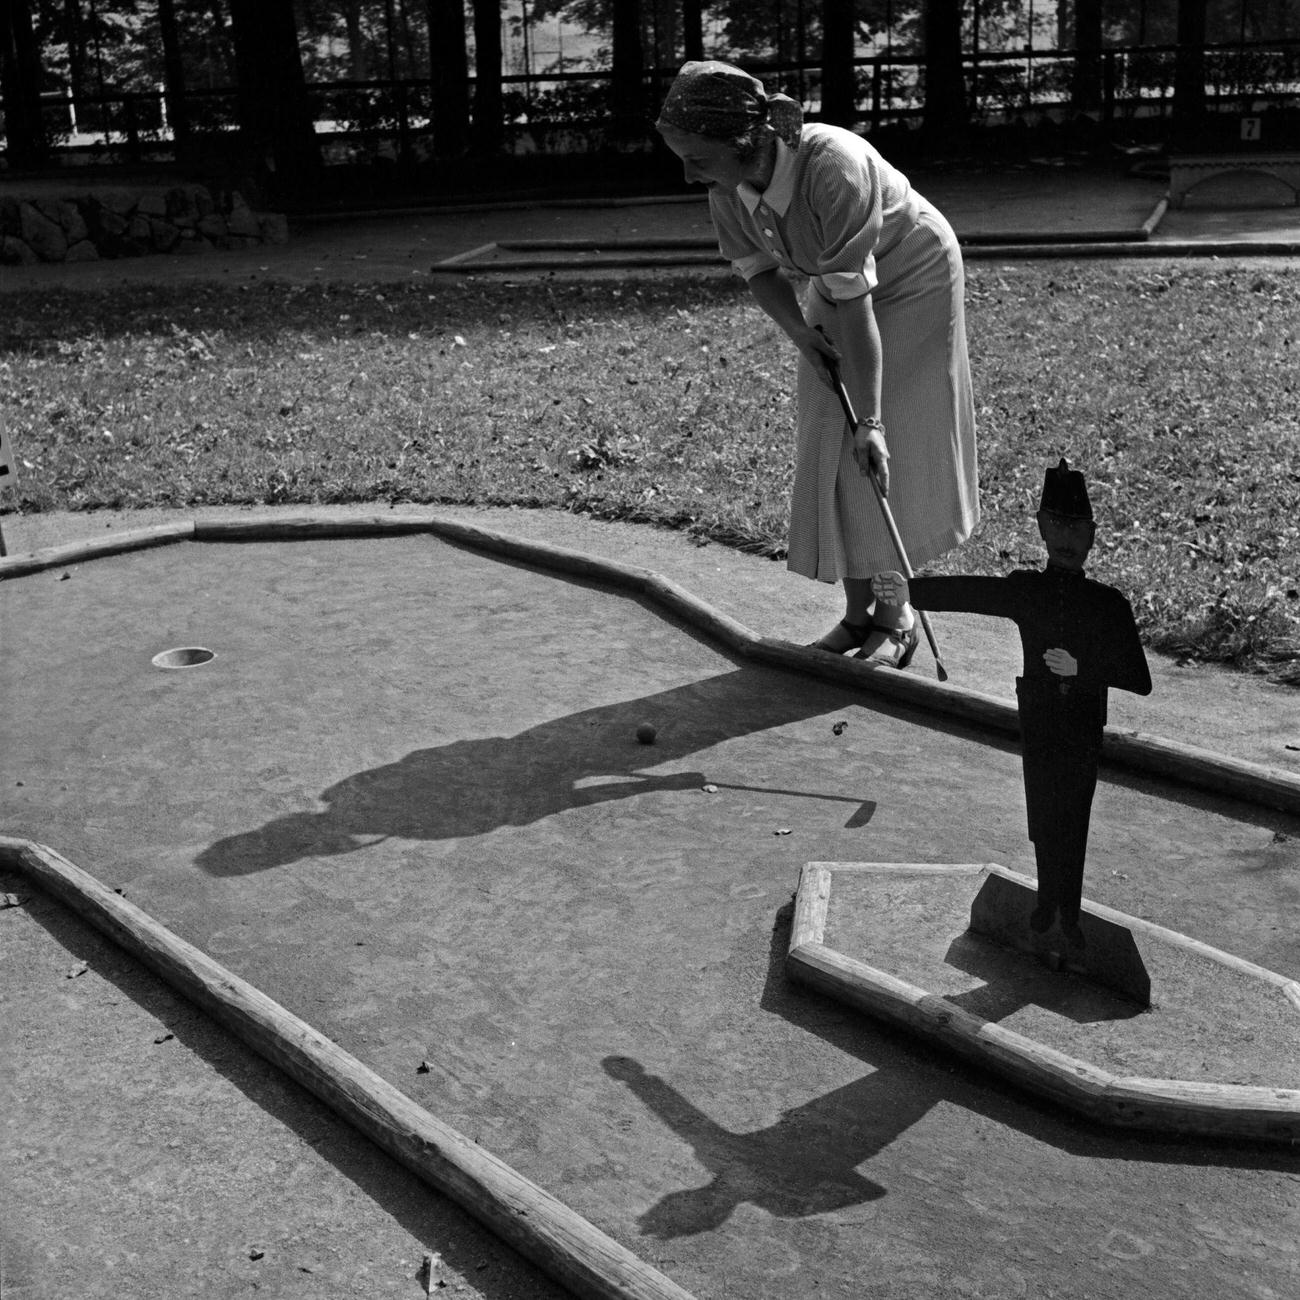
point(803, 1164)
point(807, 1163)
point(1079, 639)
point(472, 787)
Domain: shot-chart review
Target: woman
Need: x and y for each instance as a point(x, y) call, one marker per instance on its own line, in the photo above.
point(885, 303)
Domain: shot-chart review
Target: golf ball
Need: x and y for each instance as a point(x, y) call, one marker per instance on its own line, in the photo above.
point(645, 733)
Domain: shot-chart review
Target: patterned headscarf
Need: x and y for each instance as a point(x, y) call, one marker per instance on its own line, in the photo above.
point(723, 103)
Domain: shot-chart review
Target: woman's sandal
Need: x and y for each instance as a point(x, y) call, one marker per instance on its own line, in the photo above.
point(905, 640)
point(857, 632)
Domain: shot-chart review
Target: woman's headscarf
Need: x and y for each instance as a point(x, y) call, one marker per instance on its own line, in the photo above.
point(724, 103)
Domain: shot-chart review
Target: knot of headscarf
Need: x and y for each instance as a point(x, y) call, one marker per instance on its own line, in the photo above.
point(720, 102)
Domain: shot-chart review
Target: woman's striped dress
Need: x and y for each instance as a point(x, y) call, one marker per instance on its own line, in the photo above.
point(836, 211)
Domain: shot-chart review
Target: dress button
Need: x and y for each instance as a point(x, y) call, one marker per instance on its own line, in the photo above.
point(767, 230)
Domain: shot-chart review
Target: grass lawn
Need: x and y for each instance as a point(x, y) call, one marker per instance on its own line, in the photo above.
point(668, 401)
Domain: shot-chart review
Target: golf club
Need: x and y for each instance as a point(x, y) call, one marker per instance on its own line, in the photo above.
point(832, 368)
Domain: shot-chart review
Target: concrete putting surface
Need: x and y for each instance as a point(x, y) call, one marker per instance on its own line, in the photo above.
point(406, 800)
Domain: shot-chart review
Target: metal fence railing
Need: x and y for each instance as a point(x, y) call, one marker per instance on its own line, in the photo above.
point(569, 112)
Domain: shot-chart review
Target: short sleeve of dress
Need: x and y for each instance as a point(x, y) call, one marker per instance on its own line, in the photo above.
point(746, 257)
point(844, 192)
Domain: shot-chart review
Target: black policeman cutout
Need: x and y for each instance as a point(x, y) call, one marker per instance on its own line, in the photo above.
point(1079, 639)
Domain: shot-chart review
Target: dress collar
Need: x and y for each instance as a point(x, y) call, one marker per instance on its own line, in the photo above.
point(780, 189)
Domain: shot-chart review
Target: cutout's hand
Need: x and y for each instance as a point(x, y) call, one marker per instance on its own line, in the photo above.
point(1061, 662)
point(890, 588)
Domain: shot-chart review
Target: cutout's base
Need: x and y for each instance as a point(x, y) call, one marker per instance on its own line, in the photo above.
point(1213, 1054)
point(1109, 957)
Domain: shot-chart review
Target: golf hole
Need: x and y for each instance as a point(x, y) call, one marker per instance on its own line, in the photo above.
point(184, 657)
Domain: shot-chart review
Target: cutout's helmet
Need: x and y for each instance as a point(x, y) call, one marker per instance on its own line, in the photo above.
point(1065, 493)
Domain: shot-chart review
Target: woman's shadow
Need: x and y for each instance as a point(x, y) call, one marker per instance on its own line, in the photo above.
point(471, 787)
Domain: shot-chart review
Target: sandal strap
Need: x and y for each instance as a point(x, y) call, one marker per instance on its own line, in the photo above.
point(904, 638)
point(858, 631)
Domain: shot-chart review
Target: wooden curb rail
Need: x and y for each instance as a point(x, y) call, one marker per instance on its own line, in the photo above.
point(1136, 751)
point(557, 1239)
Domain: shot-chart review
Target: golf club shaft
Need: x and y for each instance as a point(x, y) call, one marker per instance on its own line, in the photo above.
point(832, 368)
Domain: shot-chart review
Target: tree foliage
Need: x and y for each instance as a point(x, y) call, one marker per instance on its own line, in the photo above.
point(88, 47)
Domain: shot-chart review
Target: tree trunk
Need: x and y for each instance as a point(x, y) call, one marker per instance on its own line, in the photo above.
point(358, 55)
point(693, 28)
point(626, 98)
point(223, 43)
point(1189, 72)
point(1086, 89)
point(945, 111)
point(839, 88)
point(488, 125)
point(408, 39)
point(275, 117)
point(174, 79)
point(20, 70)
point(449, 71)
point(390, 40)
point(75, 33)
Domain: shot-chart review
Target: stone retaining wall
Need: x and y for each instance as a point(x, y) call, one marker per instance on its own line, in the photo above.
point(107, 223)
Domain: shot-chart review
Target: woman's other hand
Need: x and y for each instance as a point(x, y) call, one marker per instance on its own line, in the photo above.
point(872, 455)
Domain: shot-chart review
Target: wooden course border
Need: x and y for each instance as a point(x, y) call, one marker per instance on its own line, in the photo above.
point(1136, 751)
point(488, 259)
point(1217, 1110)
point(692, 250)
point(557, 1239)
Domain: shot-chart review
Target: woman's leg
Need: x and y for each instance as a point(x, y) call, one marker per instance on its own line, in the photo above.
point(886, 619)
point(858, 600)
point(855, 629)
point(867, 623)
